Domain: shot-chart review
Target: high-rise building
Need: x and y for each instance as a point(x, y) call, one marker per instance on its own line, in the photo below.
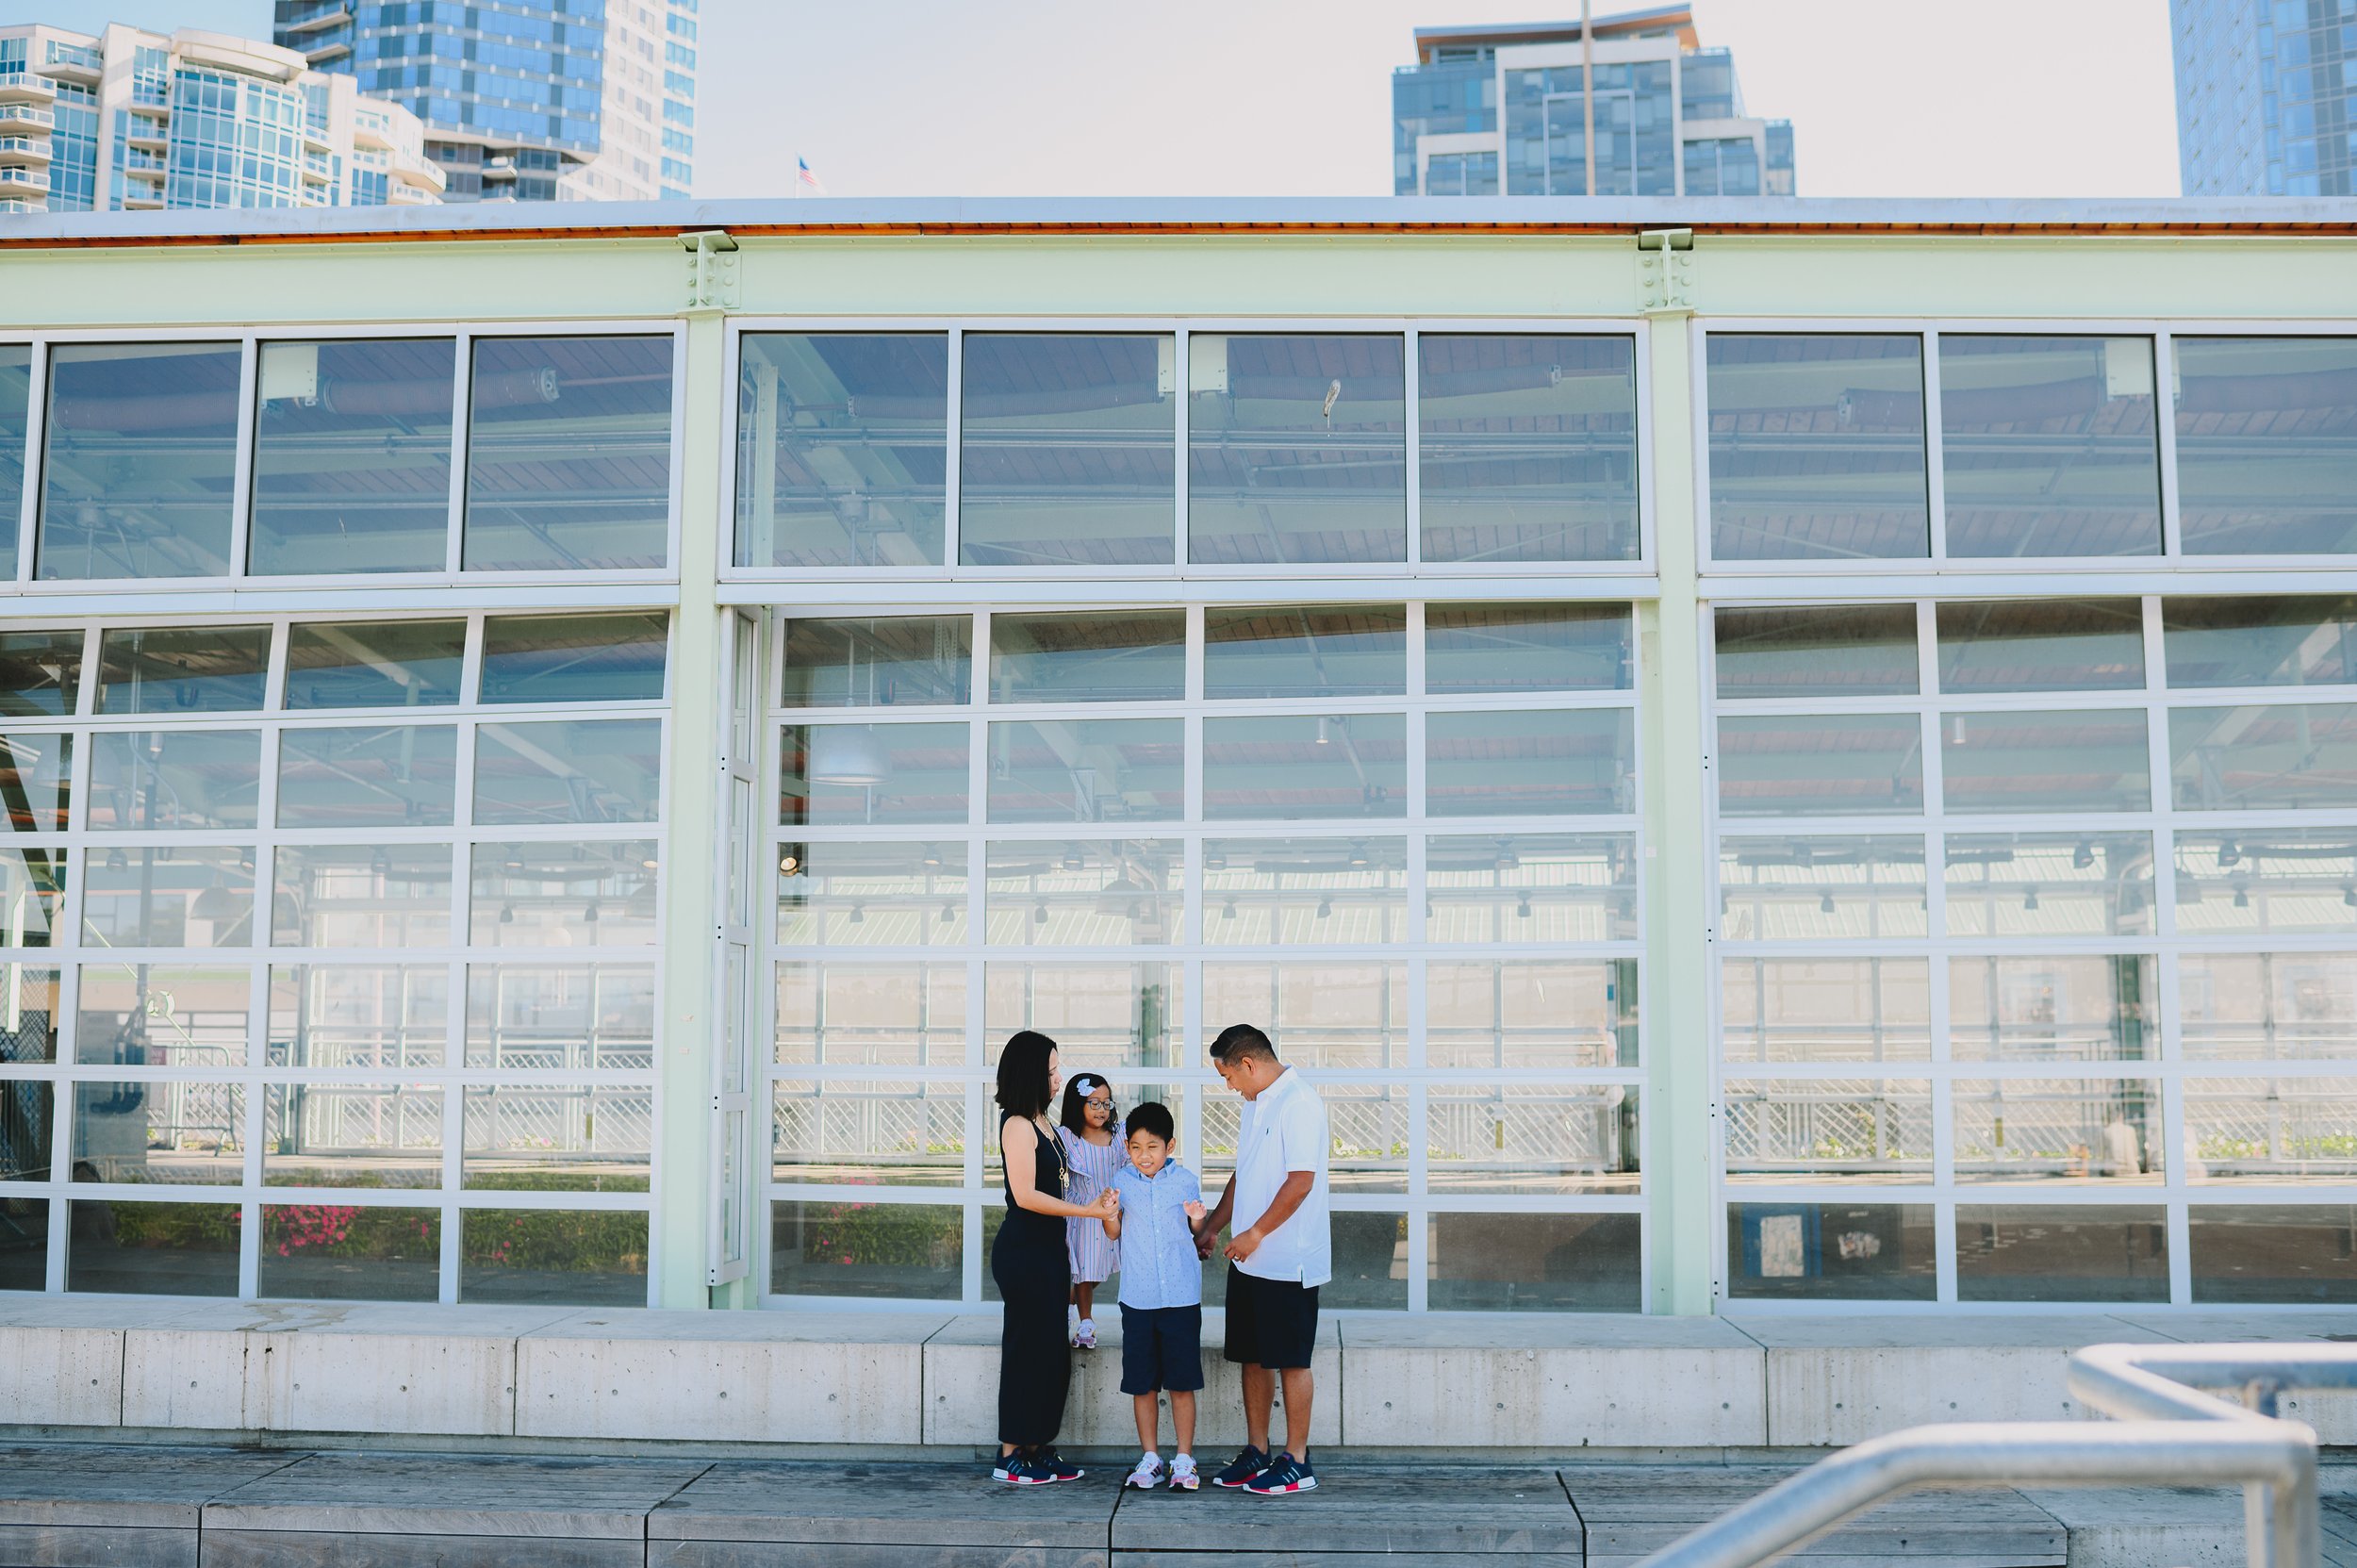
point(530, 100)
point(2267, 96)
point(131, 119)
point(1499, 109)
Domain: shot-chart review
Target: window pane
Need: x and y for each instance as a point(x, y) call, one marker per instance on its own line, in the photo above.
point(191, 897)
point(568, 771)
point(1822, 889)
point(176, 1134)
point(556, 895)
point(869, 1132)
point(2009, 762)
point(2271, 1132)
point(2265, 459)
point(1296, 449)
point(1816, 447)
point(851, 773)
point(1846, 765)
point(147, 779)
point(900, 661)
point(379, 775)
point(1370, 1266)
point(1530, 763)
point(1068, 447)
point(842, 451)
point(352, 456)
point(560, 1018)
point(1828, 1130)
point(1114, 1018)
point(384, 1016)
point(897, 895)
point(2296, 757)
point(1483, 647)
point(554, 1257)
point(2270, 880)
point(351, 1135)
point(1535, 1263)
point(1088, 771)
point(1534, 1015)
point(1831, 1252)
point(897, 1250)
point(2051, 447)
point(2304, 1253)
point(1302, 892)
point(2050, 884)
point(1530, 888)
point(557, 1137)
point(182, 669)
point(2058, 1129)
point(28, 1020)
point(1106, 657)
point(385, 664)
point(361, 896)
point(1817, 651)
point(310, 1253)
point(2062, 1252)
point(871, 1015)
point(582, 658)
point(2060, 1009)
point(1369, 1132)
point(142, 456)
point(1040, 893)
point(1529, 447)
point(40, 671)
point(2260, 642)
point(162, 1016)
point(1338, 1017)
point(1531, 1138)
point(568, 453)
point(2267, 1007)
point(32, 889)
point(2042, 645)
point(1827, 1009)
point(1305, 650)
point(36, 780)
point(28, 1120)
point(16, 390)
point(1299, 767)
point(153, 1248)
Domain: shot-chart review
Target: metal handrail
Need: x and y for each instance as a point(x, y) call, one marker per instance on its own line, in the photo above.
point(2172, 1434)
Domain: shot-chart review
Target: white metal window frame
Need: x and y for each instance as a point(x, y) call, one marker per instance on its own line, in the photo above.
point(972, 1194)
point(68, 953)
point(2165, 1066)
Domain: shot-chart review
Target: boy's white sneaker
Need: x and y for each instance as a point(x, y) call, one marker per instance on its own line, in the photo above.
point(1149, 1473)
point(1183, 1476)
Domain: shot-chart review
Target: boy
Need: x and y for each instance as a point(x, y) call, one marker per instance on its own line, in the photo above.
point(1162, 1292)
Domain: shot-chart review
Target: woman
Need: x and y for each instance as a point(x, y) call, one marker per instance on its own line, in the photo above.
point(1031, 1267)
point(1093, 1152)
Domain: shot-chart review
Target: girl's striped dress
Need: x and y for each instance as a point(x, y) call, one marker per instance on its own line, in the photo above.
point(1094, 1255)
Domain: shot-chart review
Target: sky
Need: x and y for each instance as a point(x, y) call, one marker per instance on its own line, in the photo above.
point(1923, 98)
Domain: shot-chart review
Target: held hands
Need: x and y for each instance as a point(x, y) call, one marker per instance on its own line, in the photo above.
point(1243, 1245)
point(1107, 1205)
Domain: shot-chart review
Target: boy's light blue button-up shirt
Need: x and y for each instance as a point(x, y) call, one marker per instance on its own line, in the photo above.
point(1159, 1265)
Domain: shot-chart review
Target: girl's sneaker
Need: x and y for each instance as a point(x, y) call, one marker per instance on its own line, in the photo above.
point(1183, 1476)
point(1147, 1474)
point(1086, 1338)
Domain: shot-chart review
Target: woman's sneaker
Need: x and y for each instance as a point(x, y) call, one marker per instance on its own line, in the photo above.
point(1085, 1337)
point(1242, 1468)
point(1285, 1475)
point(1183, 1476)
point(1009, 1469)
point(1046, 1467)
point(1147, 1475)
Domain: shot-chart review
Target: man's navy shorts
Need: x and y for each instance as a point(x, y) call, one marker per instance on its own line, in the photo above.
point(1161, 1347)
point(1271, 1323)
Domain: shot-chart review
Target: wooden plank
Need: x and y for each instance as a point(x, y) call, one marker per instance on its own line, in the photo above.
point(121, 1486)
point(810, 1554)
point(2338, 1518)
point(1632, 1511)
point(895, 1505)
point(334, 1549)
point(1132, 1557)
point(75, 1545)
point(464, 1495)
point(1423, 1513)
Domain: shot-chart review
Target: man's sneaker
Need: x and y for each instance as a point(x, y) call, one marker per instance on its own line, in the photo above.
point(1086, 1338)
point(1147, 1474)
point(1242, 1468)
point(1183, 1476)
point(1285, 1474)
point(1047, 1466)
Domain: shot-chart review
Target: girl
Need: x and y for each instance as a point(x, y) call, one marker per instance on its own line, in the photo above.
point(1093, 1148)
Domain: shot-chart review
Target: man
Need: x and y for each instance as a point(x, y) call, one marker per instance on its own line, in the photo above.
point(1280, 1253)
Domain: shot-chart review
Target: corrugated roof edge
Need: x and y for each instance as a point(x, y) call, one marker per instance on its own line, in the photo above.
point(1176, 216)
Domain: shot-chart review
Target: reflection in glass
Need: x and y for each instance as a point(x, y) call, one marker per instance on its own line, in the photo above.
point(1106, 657)
point(28, 1016)
point(842, 449)
point(2037, 885)
point(1296, 448)
point(2267, 1007)
point(568, 771)
point(1837, 889)
point(16, 397)
point(1297, 892)
point(568, 453)
point(2062, 1252)
point(902, 1251)
point(2266, 445)
point(2272, 1132)
point(352, 456)
point(361, 896)
point(554, 1257)
point(1828, 1130)
point(1831, 1252)
point(903, 894)
point(41, 672)
point(2012, 762)
point(2233, 642)
point(1068, 449)
point(1817, 446)
point(1534, 1262)
point(142, 456)
point(1341, 1016)
point(27, 1123)
point(867, 1131)
point(32, 888)
point(36, 780)
point(1368, 1131)
point(384, 664)
point(145, 779)
point(1531, 1014)
point(1305, 650)
point(351, 1135)
point(857, 774)
point(162, 1016)
point(1838, 765)
point(574, 658)
point(1780, 1010)
point(312, 1252)
point(2051, 445)
point(1530, 1138)
point(182, 669)
point(2064, 1008)
point(557, 894)
point(1529, 887)
point(377, 775)
point(1042, 893)
point(153, 1248)
point(1551, 647)
point(2058, 1129)
point(871, 1015)
point(1817, 651)
point(557, 1137)
point(2267, 880)
point(2041, 645)
point(2296, 757)
point(1529, 447)
point(894, 661)
point(1110, 1018)
point(560, 1018)
point(1088, 771)
point(2304, 1253)
point(361, 1015)
point(170, 1134)
point(193, 895)
point(1530, 763)
point(1300, 767)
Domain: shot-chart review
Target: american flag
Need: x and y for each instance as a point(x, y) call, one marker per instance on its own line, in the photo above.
point(806, 177)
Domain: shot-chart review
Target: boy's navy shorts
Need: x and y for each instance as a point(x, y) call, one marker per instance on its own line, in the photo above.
point(1271, 1323)
point(1161, 1347)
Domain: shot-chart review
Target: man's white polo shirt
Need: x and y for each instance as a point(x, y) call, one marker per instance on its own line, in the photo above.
point(1282, 1132)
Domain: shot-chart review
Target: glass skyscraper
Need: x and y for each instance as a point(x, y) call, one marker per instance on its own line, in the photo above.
point(525, 100)
point(2265, 96)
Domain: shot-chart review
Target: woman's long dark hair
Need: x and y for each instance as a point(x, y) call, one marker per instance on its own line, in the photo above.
point(1023, 1080)
point(1075, 1110)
